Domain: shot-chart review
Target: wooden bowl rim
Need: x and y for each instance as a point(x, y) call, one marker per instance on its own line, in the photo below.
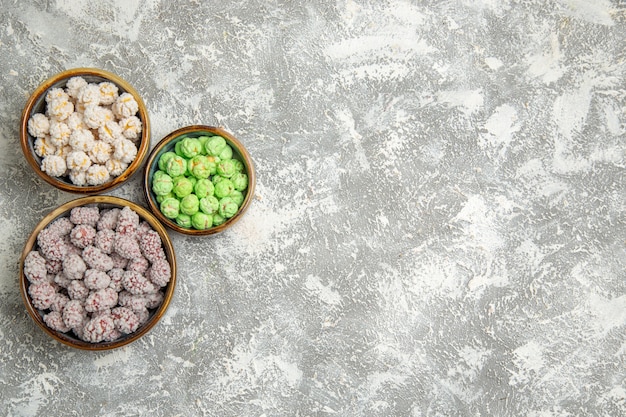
point(97, 200)
point(26, 141)
point(238, 147)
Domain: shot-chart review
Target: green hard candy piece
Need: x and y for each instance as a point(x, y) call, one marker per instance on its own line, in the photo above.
point(183, 220)
point(223, 188)
point(215, 145)
point(204, 187)
point(209, 204)
point(170, 207)
point(190, 204)
point(240, 181)
point(201, 221)
point(228, 208)
point(164, 158)
point(182, 186)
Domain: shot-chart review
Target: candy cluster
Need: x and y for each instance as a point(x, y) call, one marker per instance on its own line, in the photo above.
point(97, 273)
point(88, 133)
point(199, 185)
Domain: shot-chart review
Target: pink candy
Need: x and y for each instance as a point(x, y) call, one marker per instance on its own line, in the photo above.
point(97, 273)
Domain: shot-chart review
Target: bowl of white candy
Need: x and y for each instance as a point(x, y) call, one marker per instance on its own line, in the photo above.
point(85, 131)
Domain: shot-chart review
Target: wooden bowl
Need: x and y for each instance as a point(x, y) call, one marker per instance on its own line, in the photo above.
point(37, 104)
point(167, 144)
point(102, 202)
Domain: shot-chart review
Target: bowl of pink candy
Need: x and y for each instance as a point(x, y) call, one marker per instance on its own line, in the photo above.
point(97, 273)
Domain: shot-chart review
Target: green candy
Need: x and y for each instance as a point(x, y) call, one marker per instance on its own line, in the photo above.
point(170, 207)
point(226, 153)
point(177, 148)
point(176, 166)
point(239, 167)
point(182, 186)
point(201, 221)
point(160, 198)
point(203, 140)
point(240, 181)
point(217, 219)
point(223, 188)
point(217, 178)
point(209, 204)
point(200, 167)
point(190, 147)
point(203, 188)
point(183, 220)
point(228, 208)
point(237, 197)
point(163, 160)
point(215, 145)
point(162, 183)
point(189, 205)
point(226, 168)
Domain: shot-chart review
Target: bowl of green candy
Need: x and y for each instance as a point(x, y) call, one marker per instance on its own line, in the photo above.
point(199, 180)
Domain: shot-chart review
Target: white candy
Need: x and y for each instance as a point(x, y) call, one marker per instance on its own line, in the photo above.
point(59, 133)
point(125, 150)
point(78, 177)
point(60, 108)
point(125, 106)
point(82, 140)
point(97, 175)
point(78, 161)
point(96, 116)
point(108, 93)
point(74, 85)
point(101, 152)
point(131, 127)
point(110, 132)
point(44, 147)
point(54, 165)
point(38, 125)
point(115, 167)
point(56, 93)
point(75, 122)
point(89, 95)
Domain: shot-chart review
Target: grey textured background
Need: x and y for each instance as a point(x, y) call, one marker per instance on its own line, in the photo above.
point(438, 228)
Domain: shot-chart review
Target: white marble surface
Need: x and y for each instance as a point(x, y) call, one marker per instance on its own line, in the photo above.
point(439, 223)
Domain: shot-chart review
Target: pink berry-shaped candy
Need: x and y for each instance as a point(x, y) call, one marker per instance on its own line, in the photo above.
point(101, 299)
point(127, 222)
point(85, 215)
point(126, 246)
point(83, 235)
point(98, 328)
point(74, 314)
point(77, 290)
point(97, 259)
point(59, 301)
point(125, 320)
point(51, 245)
point(96, 279)
point(54, 320)
point(74, 267)
point(139, 264)
point(61, 226)
point(41, 295)
point(108, 219)
point(135, 283)
point(152, 246)
point(160, 272)
point(104, 240)
point(35, 269)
